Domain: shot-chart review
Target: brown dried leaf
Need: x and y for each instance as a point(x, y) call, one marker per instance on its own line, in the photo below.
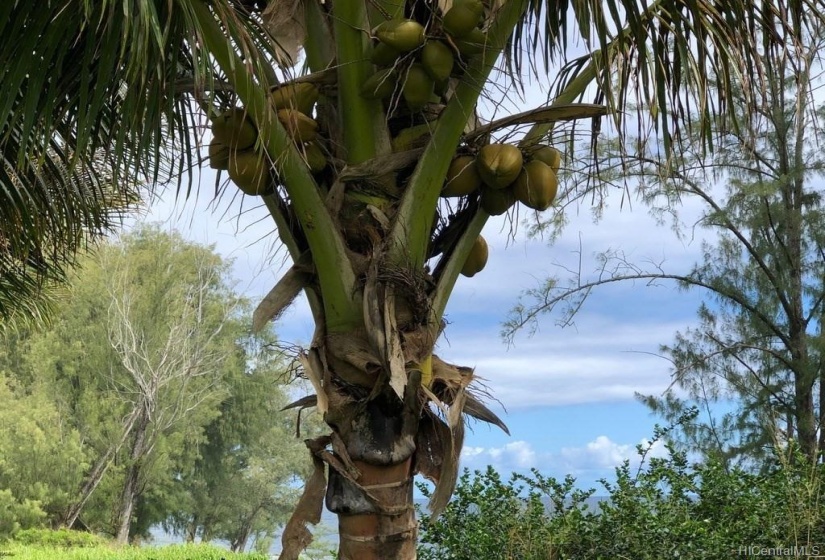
point(431, 443)
point(394, 354)
point(451, 375)
point(285, 21)
point(302, 403)
point(296, 536)
point(449, 471)
point(310, 369)
point(479, 410)
point(373, 317)
point(278, 298)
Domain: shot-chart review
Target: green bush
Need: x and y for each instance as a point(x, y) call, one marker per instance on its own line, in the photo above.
point(176, 552)
point(668, 508)
point(16, 515)
point(61, 538)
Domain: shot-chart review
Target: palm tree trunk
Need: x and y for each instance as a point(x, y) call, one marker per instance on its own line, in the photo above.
point(387, 533)
point(372, 493)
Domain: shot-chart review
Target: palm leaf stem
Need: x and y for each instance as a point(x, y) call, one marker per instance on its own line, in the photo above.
point(413, 224)
point(320, 50)
point(447, 280)
point(332, 266)
point(358, 114)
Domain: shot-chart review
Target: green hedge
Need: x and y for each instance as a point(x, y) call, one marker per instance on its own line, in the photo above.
point(18, 551)
point(62, 538)
point(669, 508)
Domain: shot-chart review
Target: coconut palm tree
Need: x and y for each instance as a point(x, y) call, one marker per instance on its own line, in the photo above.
point(350, 155)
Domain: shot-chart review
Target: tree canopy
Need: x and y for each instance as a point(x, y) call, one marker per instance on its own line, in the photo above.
point(149, 392)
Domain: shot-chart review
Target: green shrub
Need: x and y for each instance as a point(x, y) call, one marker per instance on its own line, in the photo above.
point(61, 538)
point(177, 552)
point(667, 508)
point(16, 515)
point(489, 518)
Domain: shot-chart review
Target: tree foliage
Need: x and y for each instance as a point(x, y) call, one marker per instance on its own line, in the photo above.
point(667, 507)
point(758, 341)
point(148, 371)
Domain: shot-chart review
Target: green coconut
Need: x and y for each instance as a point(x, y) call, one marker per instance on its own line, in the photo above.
point(234, 128)
point(383, 55)
point(249, 170)
point(404, 35)
point(418, 87)
point(412, 137)
point(298, 125)
point(471, 44)
point(301, 96)
point(497, 201)
point(549, 155)
point(218, 155)
point(499, 164)
point(438, 60)
point(463, 17)
point(536, 185)
point(379, 85)
point(462, 177)
point(477, 258)
point(314, 157)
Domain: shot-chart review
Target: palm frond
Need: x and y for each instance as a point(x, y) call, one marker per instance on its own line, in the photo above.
point(95, 98)
point(43, 229)
point(676, 59)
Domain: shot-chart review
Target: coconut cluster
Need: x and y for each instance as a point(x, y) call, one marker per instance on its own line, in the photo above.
point(504, 175)
point(234, 137)
point(421, 65)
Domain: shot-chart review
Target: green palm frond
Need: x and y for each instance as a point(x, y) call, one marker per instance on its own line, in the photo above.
point(129, 80)
point(676, 58)
point(43, 229)
point(114, 76)
point(95, 97)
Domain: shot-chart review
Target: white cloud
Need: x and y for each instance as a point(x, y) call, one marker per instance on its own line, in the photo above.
point(520, 454)
point(598, 457)
point(606, 360)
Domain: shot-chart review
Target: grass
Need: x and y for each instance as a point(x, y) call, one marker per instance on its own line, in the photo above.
point(16, 551)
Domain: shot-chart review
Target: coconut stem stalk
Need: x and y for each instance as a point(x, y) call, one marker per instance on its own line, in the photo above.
point(446, 282)
point(334, 269)
point(349, 21)
point(415, 214)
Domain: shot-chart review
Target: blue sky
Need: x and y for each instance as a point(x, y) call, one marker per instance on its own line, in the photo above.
point(568, 393)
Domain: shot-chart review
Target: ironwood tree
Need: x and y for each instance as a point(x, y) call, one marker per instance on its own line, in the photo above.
point(758, 342)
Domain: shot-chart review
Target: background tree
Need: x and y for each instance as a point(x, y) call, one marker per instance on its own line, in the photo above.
point(758, 344)
point(41, 458)
point(164, 329)
point(242, 485)
point(375, 251)
point(144, 359)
